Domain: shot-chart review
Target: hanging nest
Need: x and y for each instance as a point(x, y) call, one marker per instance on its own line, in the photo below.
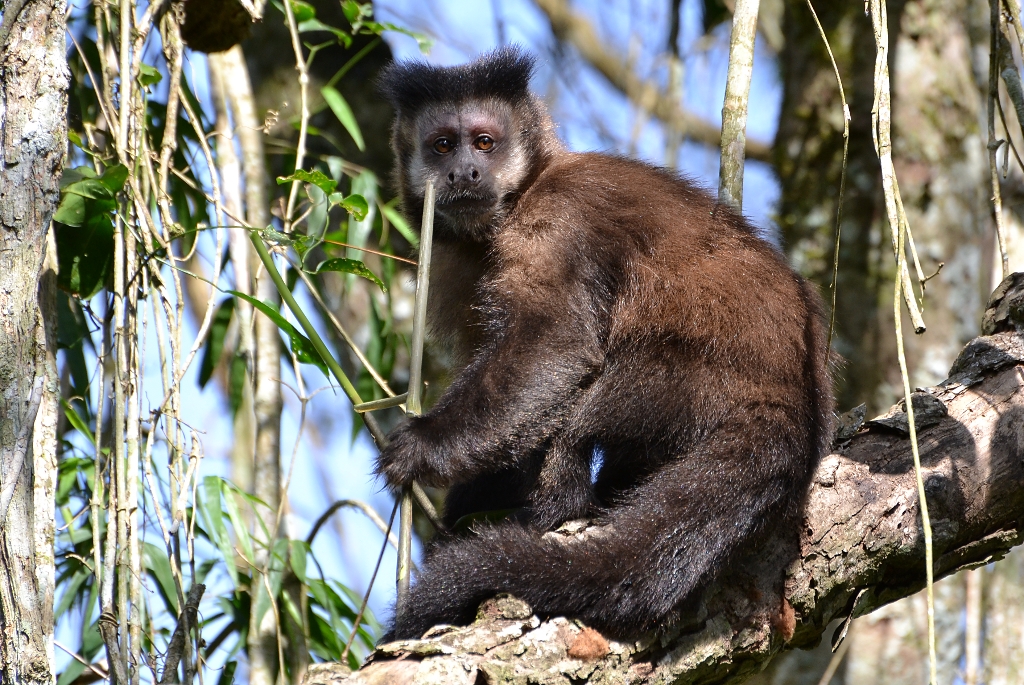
point(217, 25)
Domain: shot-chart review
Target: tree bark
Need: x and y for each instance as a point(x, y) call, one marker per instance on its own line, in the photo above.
point(860, 547)
point(33, 138)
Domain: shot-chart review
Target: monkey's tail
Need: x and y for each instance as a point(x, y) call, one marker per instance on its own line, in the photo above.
point(661, 547)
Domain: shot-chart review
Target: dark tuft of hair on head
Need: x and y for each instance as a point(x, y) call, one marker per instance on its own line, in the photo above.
point(504, 74)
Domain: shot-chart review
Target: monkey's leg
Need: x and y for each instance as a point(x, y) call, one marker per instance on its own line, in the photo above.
point(508, 488)
point(661, 547)
point(563, 490)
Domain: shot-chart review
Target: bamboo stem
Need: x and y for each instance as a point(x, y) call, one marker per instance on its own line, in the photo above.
point(734, 109)
point(414, 403)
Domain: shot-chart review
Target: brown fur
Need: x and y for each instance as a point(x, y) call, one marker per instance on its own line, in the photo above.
point(614, 311)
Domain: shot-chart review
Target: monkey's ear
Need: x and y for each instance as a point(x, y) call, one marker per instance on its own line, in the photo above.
point(503, 74)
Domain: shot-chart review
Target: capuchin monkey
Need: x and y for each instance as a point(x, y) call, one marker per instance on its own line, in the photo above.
point(609, 318)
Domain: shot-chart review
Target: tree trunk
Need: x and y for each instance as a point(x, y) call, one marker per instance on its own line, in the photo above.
point(33, 139)
point(266, 366)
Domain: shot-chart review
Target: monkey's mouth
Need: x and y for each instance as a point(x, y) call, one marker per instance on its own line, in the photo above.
point(463, 203)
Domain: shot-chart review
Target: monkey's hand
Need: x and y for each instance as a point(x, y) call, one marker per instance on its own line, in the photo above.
point(413, 453)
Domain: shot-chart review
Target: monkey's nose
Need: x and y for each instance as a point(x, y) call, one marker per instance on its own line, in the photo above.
point(465, 176)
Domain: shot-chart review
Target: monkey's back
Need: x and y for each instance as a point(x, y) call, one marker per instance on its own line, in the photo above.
point(698, 320)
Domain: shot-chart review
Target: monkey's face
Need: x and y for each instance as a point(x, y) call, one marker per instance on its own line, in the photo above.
point(473, 154)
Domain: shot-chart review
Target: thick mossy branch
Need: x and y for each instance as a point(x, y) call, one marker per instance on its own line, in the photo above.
point(860, 547)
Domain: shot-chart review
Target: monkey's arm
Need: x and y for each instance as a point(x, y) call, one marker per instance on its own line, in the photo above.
point(544, 347)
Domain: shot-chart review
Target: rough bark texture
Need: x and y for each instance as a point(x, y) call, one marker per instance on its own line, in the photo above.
point(33, 103)
point(860, 548)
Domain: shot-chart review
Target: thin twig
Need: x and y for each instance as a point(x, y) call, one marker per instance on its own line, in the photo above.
point(366, 597)
point(842, 181)
point(1009, 138)
point(834, 663)
point(993, 144)
point(1014, 9)
point(376, 252)
point(355, 504)
point(77, 657)
point(300, 152)
point(186, 621)
point(384, 403)
point(925, 519)
point(315, 292)
point(107, 624)
point(881, 112)
point(901, 289)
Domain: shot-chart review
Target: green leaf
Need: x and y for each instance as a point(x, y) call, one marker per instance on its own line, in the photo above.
point(319, 214)
point(423, 41)
point(297, 555)
point(214, 346)
point(344, 113)
point(356, 205)
point(90, 188)
point(303, 11)
point(316, 177)
point(85, 249)
point(71, 210)
point(311, 25)
point(149, 75)
point(209, 505)
point(237, 378)
point(227, 676)
point(398, 221)
point(242, 535)
point(354, 11)
point(274, 576)
point(77, 421)
point(76, 139)
point(94, 187)
point(157, 564)
point(350, 266)
point(70, 591)
point(76, 174)
point(114, 177)
point(71, 673)
point(301, 346)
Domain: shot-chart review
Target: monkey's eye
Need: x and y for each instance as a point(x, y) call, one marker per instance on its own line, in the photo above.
point(443, 145)
point(483, 143)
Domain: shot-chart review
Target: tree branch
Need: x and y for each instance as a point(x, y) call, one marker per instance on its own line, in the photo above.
point(860, 547)
point(578, 32)
point(179, 640)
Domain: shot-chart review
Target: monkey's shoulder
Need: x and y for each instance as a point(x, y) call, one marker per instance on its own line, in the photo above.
point(618, 211)
point(602, 191)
